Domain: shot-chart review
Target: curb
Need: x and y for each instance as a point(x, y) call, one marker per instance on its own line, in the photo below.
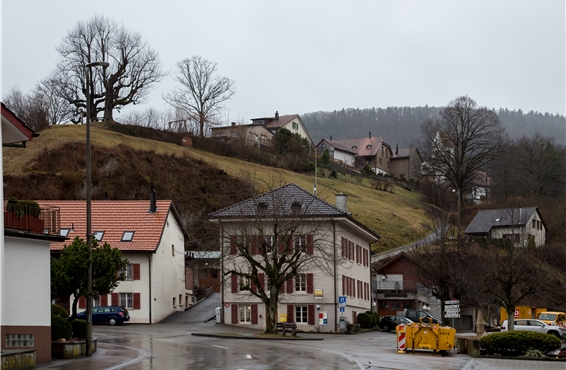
point(240, 336)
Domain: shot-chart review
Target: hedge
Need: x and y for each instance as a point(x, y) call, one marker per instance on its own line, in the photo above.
point(79, 329)
point(59, 311)
point(60, 328)
point(518, 342)
point(365, 320)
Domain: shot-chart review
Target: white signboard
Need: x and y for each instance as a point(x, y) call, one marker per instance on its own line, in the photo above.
point(453, 301)
point(452, 315)
point(452, 310)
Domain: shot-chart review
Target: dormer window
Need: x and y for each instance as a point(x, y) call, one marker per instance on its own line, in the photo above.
point(98, 235)
point(497, 219)
point(262, 207)
point(354, 148)
point(127, 236)
point(296, 208)
point(368, 146)
point(64, 232)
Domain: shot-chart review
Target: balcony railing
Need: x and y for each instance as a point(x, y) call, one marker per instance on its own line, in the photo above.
point(28, 217)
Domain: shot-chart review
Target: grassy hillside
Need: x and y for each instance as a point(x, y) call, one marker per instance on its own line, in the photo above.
point(124, 167)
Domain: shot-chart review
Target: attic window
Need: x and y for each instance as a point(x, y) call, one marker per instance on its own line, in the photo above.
point(262, 207)
point(354, 148)
point(64, 232)
point(296, 208)
point(98, 235)
point(127, 236)
point(368, 146)
point(497, 219)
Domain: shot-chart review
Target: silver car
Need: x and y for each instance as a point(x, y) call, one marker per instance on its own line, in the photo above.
point(535, 325)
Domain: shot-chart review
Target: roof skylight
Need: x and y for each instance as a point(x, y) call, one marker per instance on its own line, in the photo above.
point(64, 232)
point(127, 236)
point(98, 235)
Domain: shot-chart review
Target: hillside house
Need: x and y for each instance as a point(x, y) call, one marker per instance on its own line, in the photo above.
point(25, 265)
point(406, 163)
point(151, 236)
point(521, 225)
point(260, 132)
point(321, 230)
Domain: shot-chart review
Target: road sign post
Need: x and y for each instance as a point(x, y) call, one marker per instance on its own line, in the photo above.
point(452, 310)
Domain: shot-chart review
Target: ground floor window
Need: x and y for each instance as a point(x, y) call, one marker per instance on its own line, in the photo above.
point(301, 314)
point(126, 300)
point(20, 340)
point(245, 313)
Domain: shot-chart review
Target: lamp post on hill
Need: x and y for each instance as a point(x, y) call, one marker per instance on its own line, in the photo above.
point(89, 296)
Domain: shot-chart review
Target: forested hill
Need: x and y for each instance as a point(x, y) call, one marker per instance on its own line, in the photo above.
point(401, 125)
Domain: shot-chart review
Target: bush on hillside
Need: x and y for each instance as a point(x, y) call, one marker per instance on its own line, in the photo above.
point(518, 342)
point(60, 328)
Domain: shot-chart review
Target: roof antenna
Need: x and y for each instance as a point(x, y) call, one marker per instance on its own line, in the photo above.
point(314, 190)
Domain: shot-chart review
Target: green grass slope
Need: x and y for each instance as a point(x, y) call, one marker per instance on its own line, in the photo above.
point(124, 167)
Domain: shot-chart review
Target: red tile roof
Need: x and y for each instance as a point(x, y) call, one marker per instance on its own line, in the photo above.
point(114, 217)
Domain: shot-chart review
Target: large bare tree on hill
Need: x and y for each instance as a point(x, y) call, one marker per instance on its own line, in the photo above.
point(134, 66)
point(461, 143)
point(201, 94)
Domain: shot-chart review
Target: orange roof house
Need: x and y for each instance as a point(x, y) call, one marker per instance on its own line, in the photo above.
point(151, 236)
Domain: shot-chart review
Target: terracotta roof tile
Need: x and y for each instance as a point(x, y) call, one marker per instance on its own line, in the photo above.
point(114, 217)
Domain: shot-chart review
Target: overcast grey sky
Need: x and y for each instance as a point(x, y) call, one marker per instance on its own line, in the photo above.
point(306, 56)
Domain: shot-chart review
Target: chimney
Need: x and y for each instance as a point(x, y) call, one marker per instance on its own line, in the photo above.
point(396, 149)
point(330, 137)
point(277, 115)
point(233, 123)
point(370, 134)
point(152, 201)
point(342, 202)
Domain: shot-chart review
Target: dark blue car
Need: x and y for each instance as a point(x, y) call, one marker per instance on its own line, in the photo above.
point(107, 314)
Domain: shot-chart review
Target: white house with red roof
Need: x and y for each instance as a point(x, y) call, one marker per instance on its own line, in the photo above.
point(151, 236)
point(261, 130)
point(25, 303)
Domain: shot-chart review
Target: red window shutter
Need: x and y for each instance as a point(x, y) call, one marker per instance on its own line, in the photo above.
point(104, 300)
point(310, 313)
point(290, 245)
point(290, 286)
point(280, 244)
point(343, 285)
point(137, 301)
point(282, 288)
point(290, 313)
point(136, 267)
point(233, 244)
point(350, 250)
point(344, 246)
point(234, 283)
point(310, 288)
point(261, 278)
point(234, 314)
point(354, 317)
point(82, 302)
point(254, 314)
point(353, 282)
point(253, 286)
point(115, 299)
point(310, 244)
point(255, 244)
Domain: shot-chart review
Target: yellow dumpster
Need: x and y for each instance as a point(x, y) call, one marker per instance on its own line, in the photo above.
point(429, 336)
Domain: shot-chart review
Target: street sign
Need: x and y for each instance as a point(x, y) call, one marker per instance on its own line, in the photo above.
point(452, 310)
point(342, 300)
point(452, 301)
point(342, 309)
point(452, 315)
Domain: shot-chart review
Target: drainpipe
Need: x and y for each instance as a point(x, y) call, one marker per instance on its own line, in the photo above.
point(149, 269)
point(335, 284)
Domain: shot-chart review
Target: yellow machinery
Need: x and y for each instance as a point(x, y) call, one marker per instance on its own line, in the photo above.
point(431, 336)
point(521, 312)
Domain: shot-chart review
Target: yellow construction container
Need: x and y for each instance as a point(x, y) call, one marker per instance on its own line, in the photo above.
point(429, 336)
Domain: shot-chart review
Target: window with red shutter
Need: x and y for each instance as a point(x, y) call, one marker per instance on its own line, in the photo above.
point(136, 267)
point(310, 283)
point(234, 283)
point(344, 285)
point(253, 286)
point(104, 300)
point(233, 245)
point(344, 246)
point(311, 314)
point(290, 313)
point(115, 299)
point(82, 302)
point(137, 301)
point(234, 314)
point(289, 286)
point(255, 242)
point(254, 314)
point(310, 244)
point(261, 278)
point(350, 250)
point(354, 317)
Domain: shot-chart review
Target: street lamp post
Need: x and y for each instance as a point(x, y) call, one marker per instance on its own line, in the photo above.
point(88, 207)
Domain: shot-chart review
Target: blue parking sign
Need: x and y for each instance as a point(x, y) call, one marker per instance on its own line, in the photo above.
point(342, 309)
point(342, 299)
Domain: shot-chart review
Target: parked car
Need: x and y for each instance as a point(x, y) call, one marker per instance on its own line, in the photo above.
point(553, 318)
point(390, 322)
point(415, 316)
point(107, 314)
point(535, 325)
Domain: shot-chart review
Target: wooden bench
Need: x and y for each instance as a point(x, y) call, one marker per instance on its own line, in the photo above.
point(285, 327)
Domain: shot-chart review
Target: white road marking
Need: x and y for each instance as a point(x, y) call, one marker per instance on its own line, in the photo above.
point(249, 356)
point(166, 340)
point(99, 334)
point(219, 346)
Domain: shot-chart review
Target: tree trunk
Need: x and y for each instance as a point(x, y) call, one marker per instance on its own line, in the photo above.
point(510, 317)
point(74, 307)
point(271, 312)
point(201, 123)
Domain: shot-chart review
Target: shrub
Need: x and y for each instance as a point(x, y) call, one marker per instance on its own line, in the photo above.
point(333, 173)
point(60, 328)
point(518, 342)
point(59, 311)
point(79, 329)
point(365, 320)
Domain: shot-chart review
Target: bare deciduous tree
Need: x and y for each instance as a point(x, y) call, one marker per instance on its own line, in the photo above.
point(201, 94)
point(462, 142)
point(32, 108)
point(134, 66)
